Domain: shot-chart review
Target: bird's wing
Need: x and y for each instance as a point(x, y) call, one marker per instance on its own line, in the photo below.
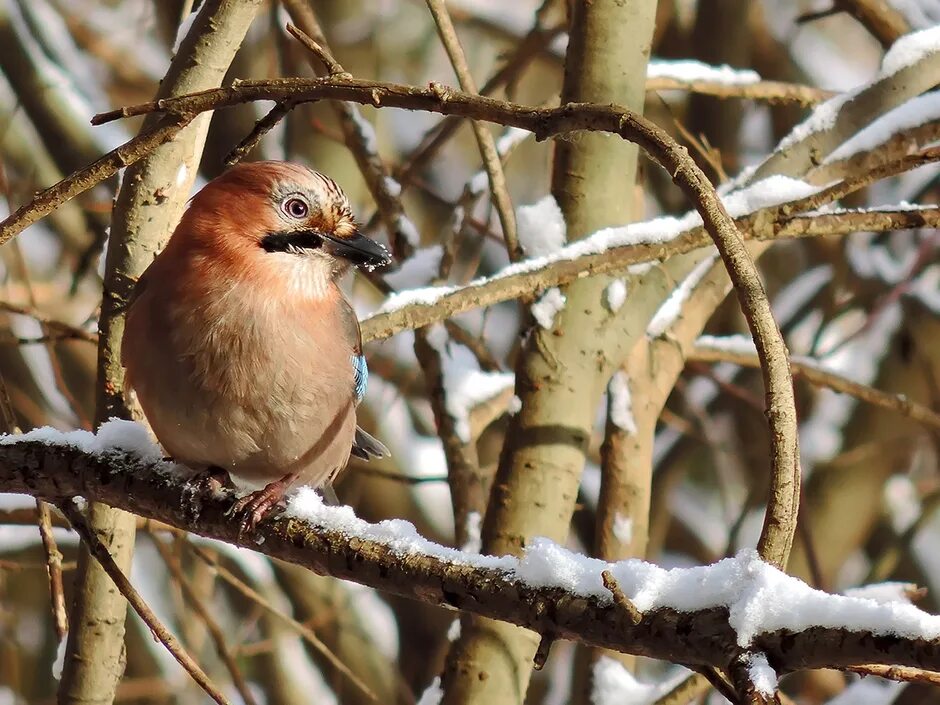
point(366, 446)
point(352, 333)
point(138, 291)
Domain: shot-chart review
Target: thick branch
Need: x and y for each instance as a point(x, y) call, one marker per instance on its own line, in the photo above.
point(701, 637)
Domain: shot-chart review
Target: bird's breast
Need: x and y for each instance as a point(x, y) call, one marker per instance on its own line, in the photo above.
point(244, 382)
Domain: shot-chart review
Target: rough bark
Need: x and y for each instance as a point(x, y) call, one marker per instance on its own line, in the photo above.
point(701, 637)
point(561, 371)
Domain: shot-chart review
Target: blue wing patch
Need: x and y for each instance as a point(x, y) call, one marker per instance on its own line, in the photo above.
point(361, 370)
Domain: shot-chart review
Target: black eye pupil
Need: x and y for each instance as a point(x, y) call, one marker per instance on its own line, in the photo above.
point(296, 208)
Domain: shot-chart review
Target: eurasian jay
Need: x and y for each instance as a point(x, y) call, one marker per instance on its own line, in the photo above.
point(242, 350)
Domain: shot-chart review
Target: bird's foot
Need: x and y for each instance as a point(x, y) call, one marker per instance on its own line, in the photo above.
point(253, 508)
point(205, 484)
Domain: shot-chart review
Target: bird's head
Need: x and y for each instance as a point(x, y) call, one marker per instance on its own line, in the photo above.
point(283, 219)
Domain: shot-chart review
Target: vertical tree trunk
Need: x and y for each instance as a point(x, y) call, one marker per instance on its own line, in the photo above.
point(720, 36)
point(152, 196)
point(562, 371)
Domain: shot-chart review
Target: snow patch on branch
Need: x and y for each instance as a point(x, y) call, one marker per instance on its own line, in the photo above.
point(766, 193)
point(545, 309)
point(433, 694)
point(740, 344)
point(690, 71)
point(113, 435)
point(905, 52)
point(671, 309)
point(762, 674)
point(910, 49)
point(615, 685)
point(541, 227)
point(621, 403)
point(915, 112)
point(615, 294)
point(759, 597)
point(466, 386)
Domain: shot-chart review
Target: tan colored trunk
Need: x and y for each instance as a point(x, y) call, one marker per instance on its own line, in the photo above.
point(562, 371)
point(152, 197)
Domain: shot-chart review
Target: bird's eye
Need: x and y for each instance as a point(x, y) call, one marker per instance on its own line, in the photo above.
point(296, 208)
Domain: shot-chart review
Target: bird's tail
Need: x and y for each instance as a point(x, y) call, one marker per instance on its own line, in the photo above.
point(366, 446)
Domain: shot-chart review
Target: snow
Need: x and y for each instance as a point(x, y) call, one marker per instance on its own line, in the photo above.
point(615, 294)
point(902, 502)
point(763, 194)
point(613, 684)
point(466, 386)
point(115, 434)
point(671, 309)
point(910, 49)
point(407, 228)
point(884, 592)
point(690, 71)
point(59, 663)
point(398, 535)
point(364, 131)
point(762, 675)
point(621, 404)
point(541, 227)
point(433, 694)
point(916, 111)
point(474, 541)
point(510, 139)
point(545, 308)
point(740, 344)
point(183, 30)
point(623, 528)
point(759, 597)
point(868, 691)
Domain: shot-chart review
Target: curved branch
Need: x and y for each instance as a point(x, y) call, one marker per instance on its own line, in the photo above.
point(777, 535)
point(702, 637)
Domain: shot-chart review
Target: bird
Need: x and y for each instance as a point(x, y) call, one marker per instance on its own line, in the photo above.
point(239, 344)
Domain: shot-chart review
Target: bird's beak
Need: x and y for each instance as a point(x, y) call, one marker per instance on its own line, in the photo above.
point(358, 249)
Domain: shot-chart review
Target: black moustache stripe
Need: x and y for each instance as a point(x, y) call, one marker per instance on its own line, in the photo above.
point(283, 242)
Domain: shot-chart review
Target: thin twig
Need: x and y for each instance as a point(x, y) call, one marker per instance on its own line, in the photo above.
point(485, 141)
point(261, 128)
point(305, 632)
point(60, 618)
point(610, 582)
point(212, 626)
point(898, 673)
point(333, 67)
point(159, 631)
point(43, 520)
point(813, 372)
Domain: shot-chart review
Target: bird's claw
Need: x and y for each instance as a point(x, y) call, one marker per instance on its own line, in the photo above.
point(254, 508)
point(205, 484)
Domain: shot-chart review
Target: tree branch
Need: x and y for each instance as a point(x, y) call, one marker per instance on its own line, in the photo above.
point(703, 637)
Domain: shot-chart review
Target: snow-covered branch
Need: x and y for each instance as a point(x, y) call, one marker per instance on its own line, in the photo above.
point(700, 616)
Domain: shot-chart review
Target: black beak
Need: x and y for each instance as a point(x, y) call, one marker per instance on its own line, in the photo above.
point(358, 249)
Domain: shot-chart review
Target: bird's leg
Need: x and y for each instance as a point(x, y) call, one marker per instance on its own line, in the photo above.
point(254, 507)
point(205, 484)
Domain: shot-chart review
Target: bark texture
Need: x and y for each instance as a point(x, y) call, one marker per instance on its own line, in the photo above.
point(151, 199)
point(562, 370)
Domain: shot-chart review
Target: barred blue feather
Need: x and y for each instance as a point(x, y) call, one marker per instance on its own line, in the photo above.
point(361, 370)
